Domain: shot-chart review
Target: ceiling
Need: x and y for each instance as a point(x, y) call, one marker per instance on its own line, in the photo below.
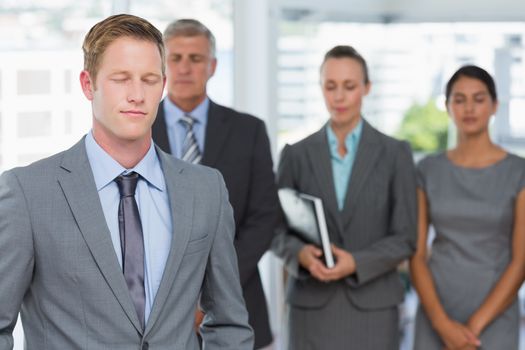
point(399, 11)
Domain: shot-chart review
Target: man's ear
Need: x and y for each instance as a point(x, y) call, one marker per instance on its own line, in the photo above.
point(88, 86)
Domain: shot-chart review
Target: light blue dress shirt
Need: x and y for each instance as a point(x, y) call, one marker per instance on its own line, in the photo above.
point(342, 166)
point(177, 131)
point(154, 208)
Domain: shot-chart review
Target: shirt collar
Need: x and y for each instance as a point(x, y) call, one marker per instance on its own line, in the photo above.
point(351, 140)
point(174, 114)
point(106, 169)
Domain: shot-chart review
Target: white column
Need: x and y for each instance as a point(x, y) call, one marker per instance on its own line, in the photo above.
point(255, 92)
point(255, 55)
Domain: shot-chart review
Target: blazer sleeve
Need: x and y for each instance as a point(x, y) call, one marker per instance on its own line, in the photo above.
point(400, 239)
point(225, 324)
point(257, 227)
point(16, 255)
point(285, 245)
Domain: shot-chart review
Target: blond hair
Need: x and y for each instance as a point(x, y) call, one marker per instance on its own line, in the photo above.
point(102, 34)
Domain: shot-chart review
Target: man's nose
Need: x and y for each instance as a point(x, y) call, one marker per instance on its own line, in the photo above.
point(136, 92)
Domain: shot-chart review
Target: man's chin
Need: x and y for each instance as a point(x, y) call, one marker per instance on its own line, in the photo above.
point(133, 137)
point(183, 95)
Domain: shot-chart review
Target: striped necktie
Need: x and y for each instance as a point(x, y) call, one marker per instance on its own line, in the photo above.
point(190, 148)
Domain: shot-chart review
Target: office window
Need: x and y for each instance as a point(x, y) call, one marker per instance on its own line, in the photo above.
point(34, 124)
point(408, 64)
point(31, 82)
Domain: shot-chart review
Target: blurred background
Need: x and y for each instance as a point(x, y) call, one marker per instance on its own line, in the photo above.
point(269, 52)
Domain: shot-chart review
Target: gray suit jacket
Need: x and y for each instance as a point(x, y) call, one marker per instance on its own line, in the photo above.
point(58, 265)
point(377, 223)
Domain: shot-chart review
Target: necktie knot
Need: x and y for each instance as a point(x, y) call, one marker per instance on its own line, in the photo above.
point(127, 184)
point(188, 121)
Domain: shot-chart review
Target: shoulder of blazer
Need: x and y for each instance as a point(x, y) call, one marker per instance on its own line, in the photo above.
point(68, 160)
point(43, 171)
point(298, 153)
point(316, 139)
point(371, 134)
point(40, 176)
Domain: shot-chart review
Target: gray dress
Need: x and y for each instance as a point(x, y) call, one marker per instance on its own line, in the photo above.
point(472, 212)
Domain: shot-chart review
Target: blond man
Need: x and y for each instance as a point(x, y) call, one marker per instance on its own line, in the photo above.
point(109, 244)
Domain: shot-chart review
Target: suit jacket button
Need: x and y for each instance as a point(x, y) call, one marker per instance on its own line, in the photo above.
point(145, 346)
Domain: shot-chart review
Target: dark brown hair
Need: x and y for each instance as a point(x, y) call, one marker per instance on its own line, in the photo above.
point(345, 51)
point(473, 72)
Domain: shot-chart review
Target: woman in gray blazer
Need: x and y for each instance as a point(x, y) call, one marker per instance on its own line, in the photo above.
point(366, 181)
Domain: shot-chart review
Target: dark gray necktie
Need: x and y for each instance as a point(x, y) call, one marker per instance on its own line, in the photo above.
point(190, 148)
point(131, 241)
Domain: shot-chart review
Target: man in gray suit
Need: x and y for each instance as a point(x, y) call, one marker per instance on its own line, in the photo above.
point(109, 244)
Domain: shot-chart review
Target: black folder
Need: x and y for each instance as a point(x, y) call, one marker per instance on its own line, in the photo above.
point(305, 217)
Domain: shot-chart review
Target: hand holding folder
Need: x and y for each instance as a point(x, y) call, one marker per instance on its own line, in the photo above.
point(305, 216)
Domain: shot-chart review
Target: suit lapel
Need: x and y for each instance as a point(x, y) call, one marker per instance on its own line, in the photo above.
point(159, 130)
point(320, 162)
point(367, 154)
point(78, 185)
point(217, 129)
point(180, 193)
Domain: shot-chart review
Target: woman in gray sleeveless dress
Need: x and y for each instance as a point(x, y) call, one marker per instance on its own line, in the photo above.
point(474, 197)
